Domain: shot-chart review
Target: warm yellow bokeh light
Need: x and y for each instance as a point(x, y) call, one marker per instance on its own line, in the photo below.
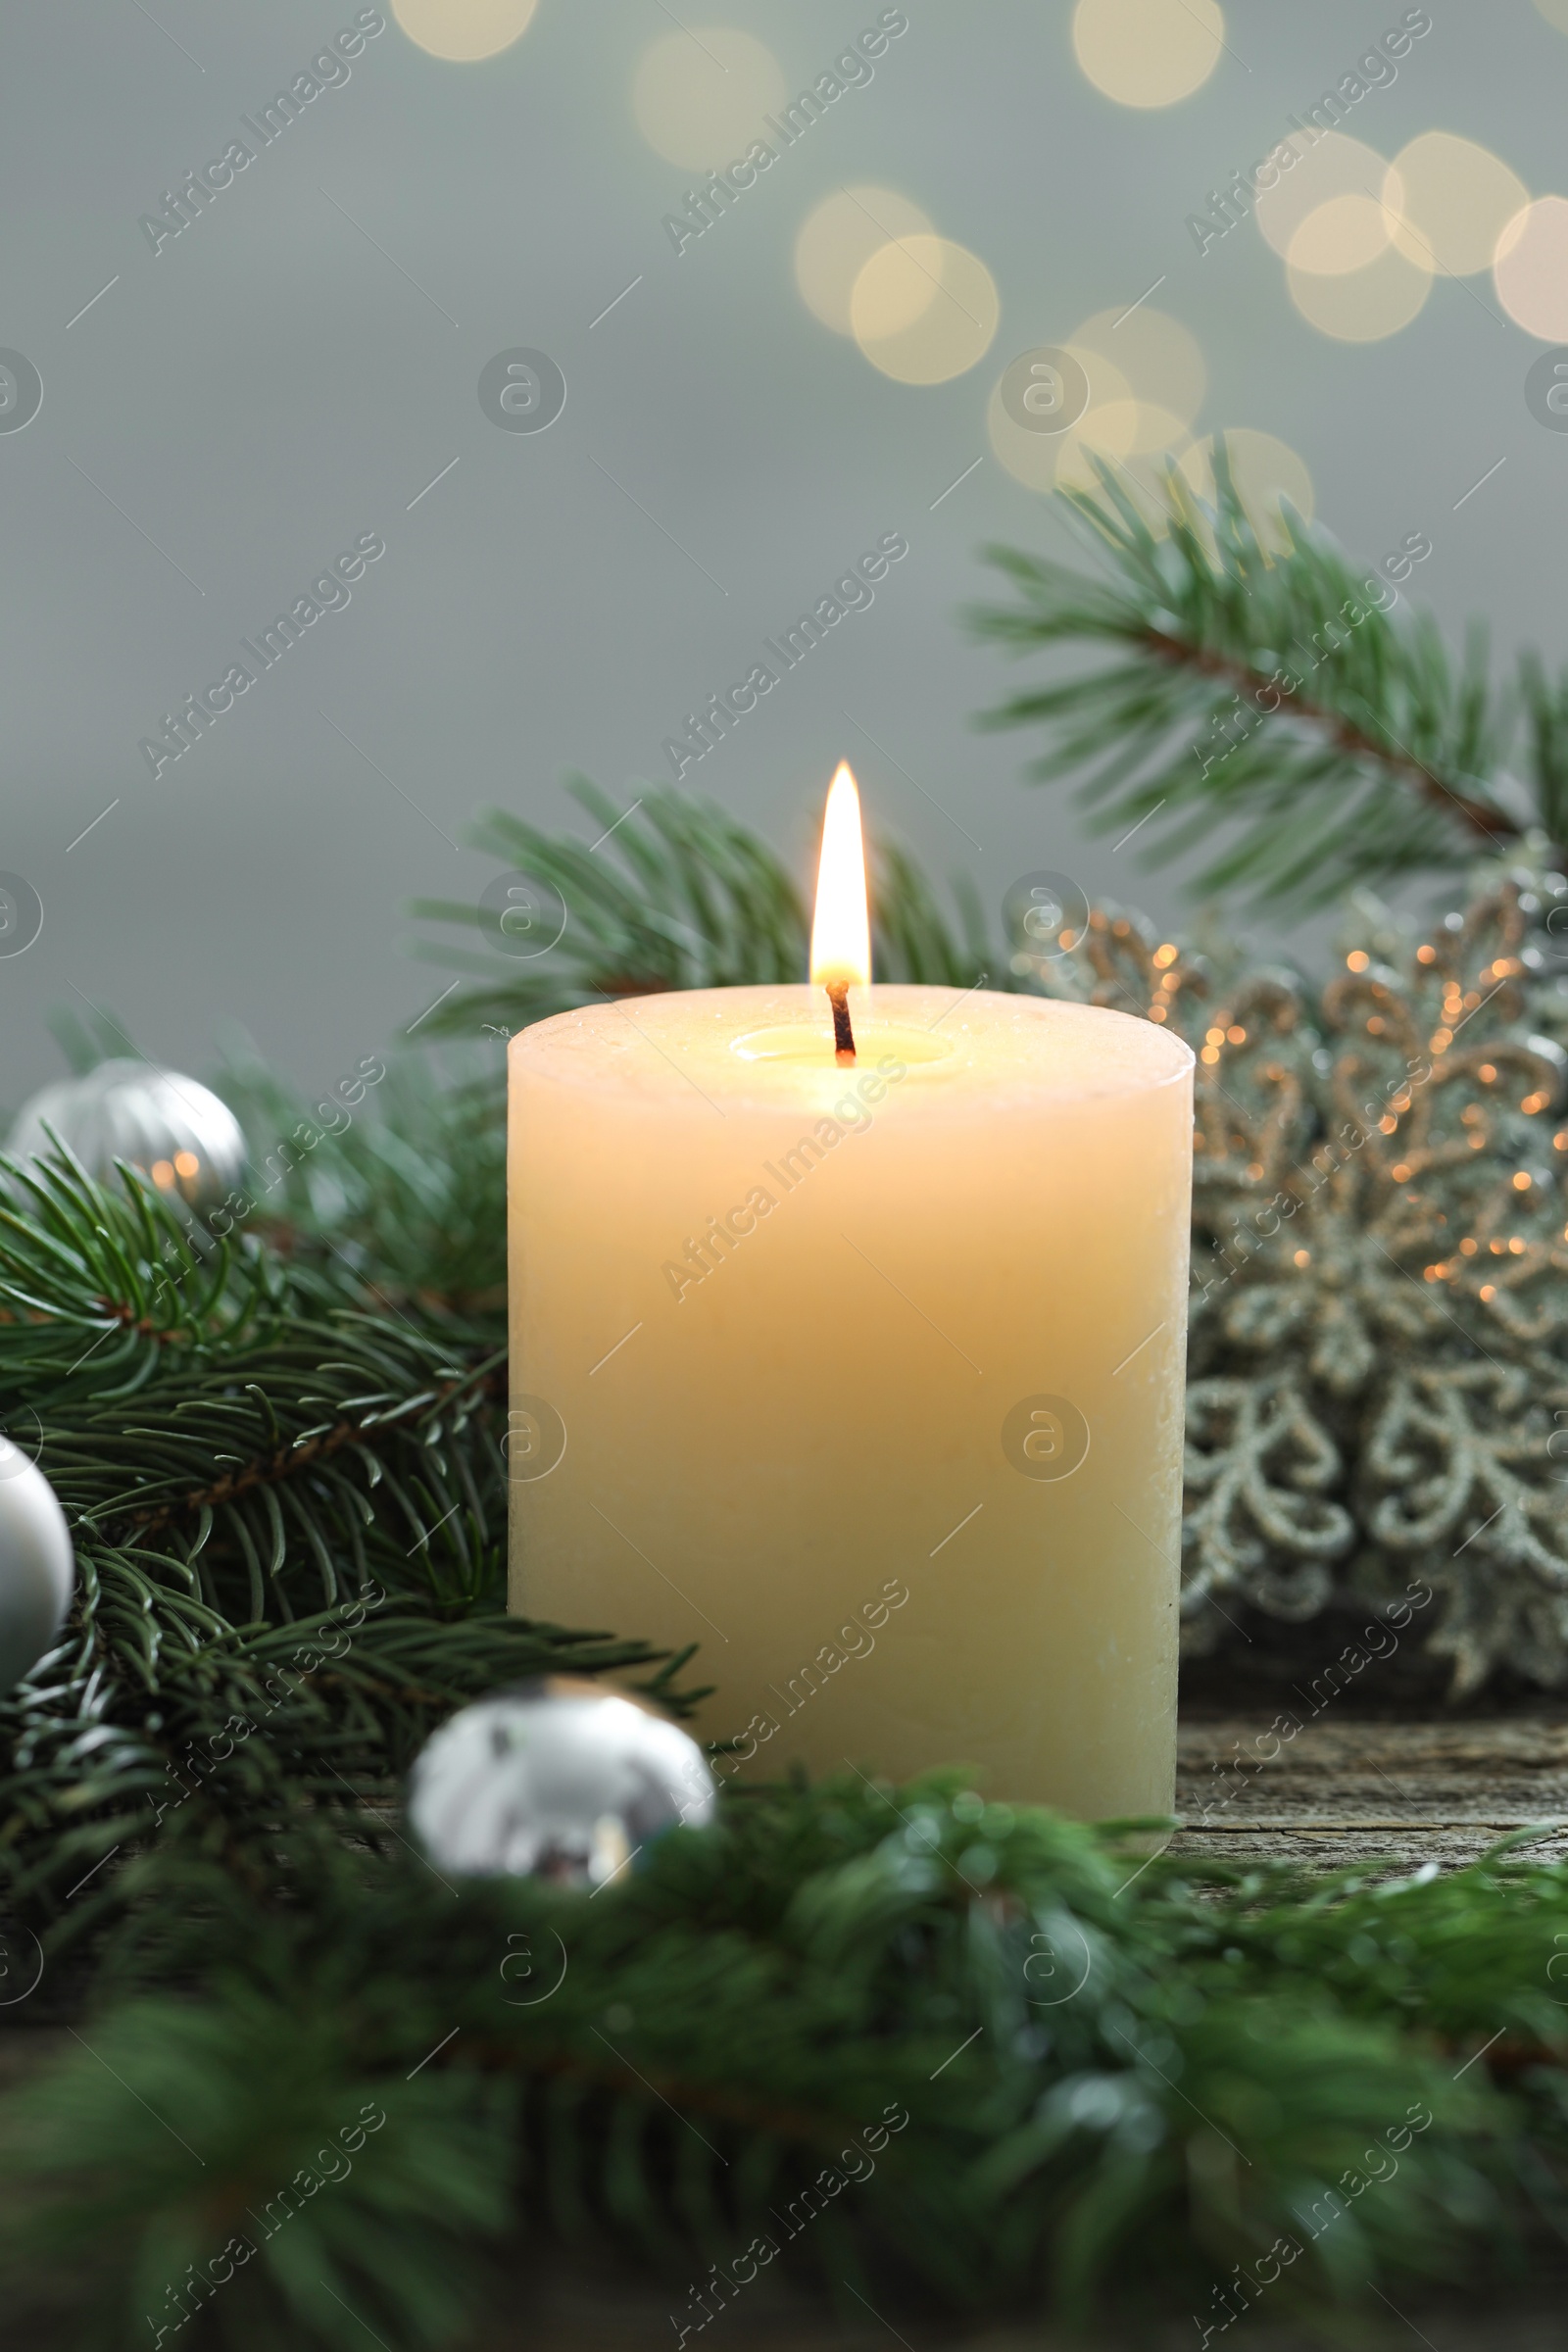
point(924, 310)
point(1121, 430)
point(1265, 471)
point(699, 96)
point(1107, 429)
point(1148, 52)
point(839, 239)
point(1555, 12)
point(1531, 270)
point(1362, 306)
point(1140, 474)
point(1337, 166)
point(895, 285)
point(465, 30)
point(1456, 199)
point(1036, 458)
point(1156, 356)
point(1156, 430)
point(1135, 438)
point(1030, 458)
point(1346, 234)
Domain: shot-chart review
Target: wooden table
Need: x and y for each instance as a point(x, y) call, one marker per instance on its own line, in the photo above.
point(1344, 1791)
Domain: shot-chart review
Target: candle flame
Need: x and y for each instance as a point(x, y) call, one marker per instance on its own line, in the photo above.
point(840, 928)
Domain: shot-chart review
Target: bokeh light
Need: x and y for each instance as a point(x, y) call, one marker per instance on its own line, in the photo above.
point(839, 239)
point(699, 96)
point(1036, 458)
point(1030, 458)
point(1156, 430)
point(1147, 381)
point(1346, 234)
point(1141, 474)
point(1338, 166)
point(1106, 434)
point(1136, 436)
point(1264, 470)
point(465, 30)
point(1148, 52)
point(1555, 12)
point(924, 309)
point(1531, 269)
point(1107, 429)
point(1456, 199)
point(895, 286)
point(1155, 355)
point(1362, 306)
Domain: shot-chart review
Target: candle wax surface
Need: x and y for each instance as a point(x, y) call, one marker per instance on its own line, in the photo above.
point(865, 1377)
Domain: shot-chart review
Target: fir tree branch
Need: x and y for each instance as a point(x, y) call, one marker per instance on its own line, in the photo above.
point(1490, 828)
point(1270, 694)
point(675, 893)
point(410, 1198)
point(240, 1446)
point(288, 1504)
point(899, 2087)
point(291, 1461)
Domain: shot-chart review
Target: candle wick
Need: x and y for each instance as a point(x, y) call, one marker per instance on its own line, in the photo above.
point(838, 996)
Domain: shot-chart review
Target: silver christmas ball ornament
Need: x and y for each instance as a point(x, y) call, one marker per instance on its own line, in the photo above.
point(171, 1127)
point(560, 1779)
point(37, 1565)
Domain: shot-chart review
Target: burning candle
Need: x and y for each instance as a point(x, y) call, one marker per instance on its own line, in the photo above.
point(841, 925)
point(846, 1336)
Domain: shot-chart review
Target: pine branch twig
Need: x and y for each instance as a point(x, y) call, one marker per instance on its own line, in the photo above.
point(1264, 694)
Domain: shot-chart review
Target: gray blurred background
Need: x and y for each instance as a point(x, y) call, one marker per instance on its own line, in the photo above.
point(294, 369)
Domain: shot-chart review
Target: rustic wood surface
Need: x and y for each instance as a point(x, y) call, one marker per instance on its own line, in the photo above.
point(1342, 1791)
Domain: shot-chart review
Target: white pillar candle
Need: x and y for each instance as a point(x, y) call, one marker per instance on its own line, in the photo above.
point(868, 1377)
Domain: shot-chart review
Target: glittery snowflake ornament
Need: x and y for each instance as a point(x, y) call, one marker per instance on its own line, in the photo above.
point(1379, 1357)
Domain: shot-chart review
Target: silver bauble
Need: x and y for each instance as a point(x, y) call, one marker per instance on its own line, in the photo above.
point(558, 1779)
point(37, 1565)
point(171, 1127)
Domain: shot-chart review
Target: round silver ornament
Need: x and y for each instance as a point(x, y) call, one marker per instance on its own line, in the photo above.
point(557, 1779)
point(37, 1565)
point(169, 1126)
